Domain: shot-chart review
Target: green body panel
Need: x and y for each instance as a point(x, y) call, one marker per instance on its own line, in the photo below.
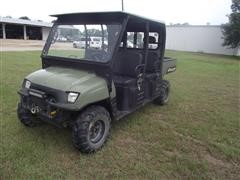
point(92, 88)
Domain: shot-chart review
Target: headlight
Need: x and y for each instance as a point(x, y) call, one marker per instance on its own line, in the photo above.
point(72, 97)
point(27, 84)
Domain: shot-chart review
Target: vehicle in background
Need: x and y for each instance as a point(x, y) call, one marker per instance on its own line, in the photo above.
point(96, 42)
point(61, 39)
point(81, 43)
point(92, 42)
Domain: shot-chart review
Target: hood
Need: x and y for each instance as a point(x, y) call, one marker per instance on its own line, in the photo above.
point(60, 78)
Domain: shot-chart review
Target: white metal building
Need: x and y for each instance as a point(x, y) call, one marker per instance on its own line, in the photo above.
point(11, 28)
point(206, 39)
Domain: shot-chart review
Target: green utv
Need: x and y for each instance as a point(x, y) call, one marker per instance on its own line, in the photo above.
point(96, 68)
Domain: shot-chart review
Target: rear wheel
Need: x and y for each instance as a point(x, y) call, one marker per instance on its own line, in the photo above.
point(164, 96)
point(91, 129)
point(26, 117)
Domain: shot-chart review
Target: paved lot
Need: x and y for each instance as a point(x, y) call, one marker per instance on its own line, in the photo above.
point(20, 45)
point(30, 45)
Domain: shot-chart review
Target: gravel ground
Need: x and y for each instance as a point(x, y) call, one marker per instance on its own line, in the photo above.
point(30, 45)
point(20, 45)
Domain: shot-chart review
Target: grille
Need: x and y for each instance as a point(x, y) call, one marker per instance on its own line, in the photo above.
point(35, 101)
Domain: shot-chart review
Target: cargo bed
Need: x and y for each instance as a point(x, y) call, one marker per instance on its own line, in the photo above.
point(169, 65)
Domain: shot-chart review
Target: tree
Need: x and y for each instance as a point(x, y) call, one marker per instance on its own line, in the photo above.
point(231, 30)
point(179, 24)
point(70, 33)
point(25, 17)
point(94, 32)
point(186, 24)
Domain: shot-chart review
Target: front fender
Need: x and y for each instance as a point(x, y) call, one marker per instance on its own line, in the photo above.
point(93, 90)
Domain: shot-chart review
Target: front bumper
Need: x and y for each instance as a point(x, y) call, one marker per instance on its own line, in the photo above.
point(63, 106)
point(45, 106)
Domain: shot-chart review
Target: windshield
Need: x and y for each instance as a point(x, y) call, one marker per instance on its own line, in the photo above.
point(92, 42)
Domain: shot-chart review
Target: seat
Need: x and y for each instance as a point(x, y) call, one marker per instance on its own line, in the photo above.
point(125, 66)
point(125, 79)
point(152, 59)
point(151, 74)
point(151, 64)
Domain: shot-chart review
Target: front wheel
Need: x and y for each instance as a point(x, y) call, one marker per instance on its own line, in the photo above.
point(164, 96)
point(91, 129)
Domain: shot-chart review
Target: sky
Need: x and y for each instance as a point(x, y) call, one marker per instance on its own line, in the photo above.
point(194, 12)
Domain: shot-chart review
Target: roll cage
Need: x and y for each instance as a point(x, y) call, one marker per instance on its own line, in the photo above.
point(130, 23)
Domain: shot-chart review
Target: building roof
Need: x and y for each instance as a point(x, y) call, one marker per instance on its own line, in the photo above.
point(24, 22)
point(193, 26)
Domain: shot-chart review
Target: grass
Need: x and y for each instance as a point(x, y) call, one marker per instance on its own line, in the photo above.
point(196, 136)
point(75, 53)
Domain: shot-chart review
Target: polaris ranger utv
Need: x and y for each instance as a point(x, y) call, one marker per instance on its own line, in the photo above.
point(86, 89)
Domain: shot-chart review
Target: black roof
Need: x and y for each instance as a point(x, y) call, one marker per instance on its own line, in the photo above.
point(114, 16)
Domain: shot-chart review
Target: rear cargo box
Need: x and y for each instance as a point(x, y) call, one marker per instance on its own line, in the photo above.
point(169, 65)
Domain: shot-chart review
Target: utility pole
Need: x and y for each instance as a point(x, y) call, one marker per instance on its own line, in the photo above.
point(122, 5)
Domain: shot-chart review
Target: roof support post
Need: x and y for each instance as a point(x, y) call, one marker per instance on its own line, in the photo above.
point(24, 32)
point(146, 36)
point(4, 30)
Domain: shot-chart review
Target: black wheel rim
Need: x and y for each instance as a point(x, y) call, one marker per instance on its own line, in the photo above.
point(97, 130)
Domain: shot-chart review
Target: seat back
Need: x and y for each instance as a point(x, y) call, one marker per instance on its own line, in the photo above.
point(151, 62)
point(126, 63)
